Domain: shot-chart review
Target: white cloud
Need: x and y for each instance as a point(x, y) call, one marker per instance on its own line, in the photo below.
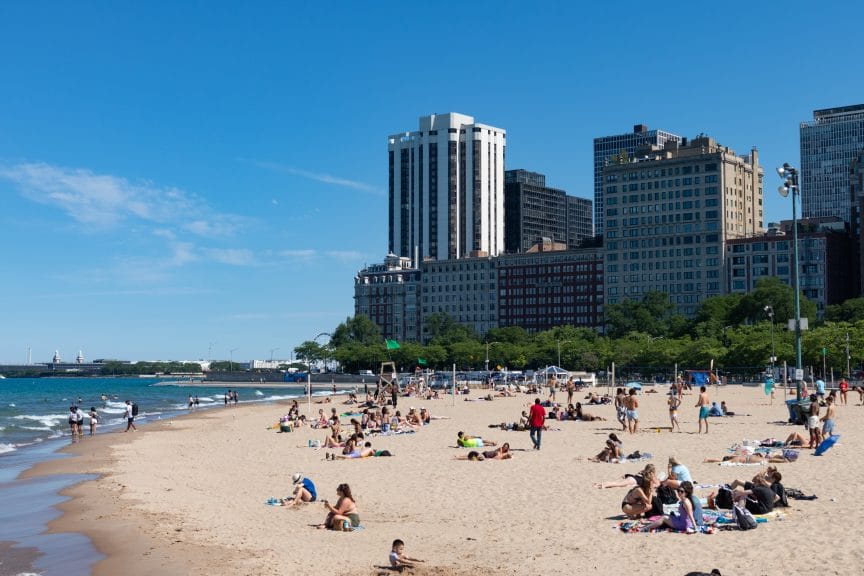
point(345, 255)
point(105, 201)
point(319, 177)
point(298, 254)
point(232, 256)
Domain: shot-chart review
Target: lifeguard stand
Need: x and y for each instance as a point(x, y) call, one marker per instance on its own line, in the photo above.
point(387, 375)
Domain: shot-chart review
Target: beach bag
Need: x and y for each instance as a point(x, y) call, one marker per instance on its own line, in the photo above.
point(134, 409)
point(723, 498)
point(667, 495)
point(790, 455)
point(744, 519)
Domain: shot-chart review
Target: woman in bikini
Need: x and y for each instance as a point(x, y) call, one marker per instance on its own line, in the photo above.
point(345, 509)
point(638, 499)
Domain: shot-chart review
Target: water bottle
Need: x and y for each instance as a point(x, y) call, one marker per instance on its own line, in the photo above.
point(346, 525)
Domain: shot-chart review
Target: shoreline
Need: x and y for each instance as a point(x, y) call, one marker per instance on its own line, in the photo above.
point(86, 508)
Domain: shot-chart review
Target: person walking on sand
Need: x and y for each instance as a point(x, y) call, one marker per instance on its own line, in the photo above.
point(844, 389)
point(94, 419)
point(130, 417)
point(621, 409)
point(828, 419)
point(631, 404)
point(571, 387)
point(79, 415)
point(674, 403)
point(536, 419)
point(704, 405)
point(73, 421)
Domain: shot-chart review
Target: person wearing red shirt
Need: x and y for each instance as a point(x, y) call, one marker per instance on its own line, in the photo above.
point(536, 417)
point(844, 389)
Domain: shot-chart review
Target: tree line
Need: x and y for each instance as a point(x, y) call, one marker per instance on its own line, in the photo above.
point(734, 330)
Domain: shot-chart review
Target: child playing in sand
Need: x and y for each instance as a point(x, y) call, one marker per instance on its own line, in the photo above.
point(398, 559)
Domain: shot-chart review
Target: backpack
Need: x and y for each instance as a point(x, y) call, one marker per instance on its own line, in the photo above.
point(667, 495)
point(744, 519)
point(723, 498)
point(134, 409)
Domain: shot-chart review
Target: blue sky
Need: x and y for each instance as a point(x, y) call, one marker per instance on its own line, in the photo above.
point(178, 177)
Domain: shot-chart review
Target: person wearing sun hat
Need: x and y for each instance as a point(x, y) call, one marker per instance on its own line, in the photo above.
point(304, 491)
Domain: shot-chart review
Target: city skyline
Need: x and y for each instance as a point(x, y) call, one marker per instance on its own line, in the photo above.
point(170, 188)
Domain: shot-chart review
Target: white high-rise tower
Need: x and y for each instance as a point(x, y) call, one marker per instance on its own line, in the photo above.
point(446, 189)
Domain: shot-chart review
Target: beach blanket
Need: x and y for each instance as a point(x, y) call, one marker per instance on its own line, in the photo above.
point(637, 526)
point(742, 464)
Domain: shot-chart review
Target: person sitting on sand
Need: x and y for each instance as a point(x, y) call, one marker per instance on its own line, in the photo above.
point(676, 473)
point(554, 414)
point(502, 453)
point(689, 515)
point(366, 452)
point(468, 441)
point(759, 498)
point(425, 416)
point(523, 421)
point(304, 491)
point(334, 439)
point(768, 474)
point(715, 410)
point(321, 421)
point(612, 451)
point(630, 480)
point(506, 392)
point(638, 499)
point(472, 456)
point(345, 510)
point(398, 559)
point(414, 418)
point(580, 415)
point(725, 409)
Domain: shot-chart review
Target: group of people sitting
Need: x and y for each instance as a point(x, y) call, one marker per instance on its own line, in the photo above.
point(343, 516)
point(573, 412)
point(648, 494)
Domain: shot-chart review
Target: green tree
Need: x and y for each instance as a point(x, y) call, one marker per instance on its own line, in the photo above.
point(851, 310)
point(356, 330)
point(443, 329)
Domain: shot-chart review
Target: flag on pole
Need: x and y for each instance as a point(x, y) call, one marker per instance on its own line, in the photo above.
point(392, 345)
point(421, 361)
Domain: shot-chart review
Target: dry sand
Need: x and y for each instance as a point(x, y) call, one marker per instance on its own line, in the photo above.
point(187, 496)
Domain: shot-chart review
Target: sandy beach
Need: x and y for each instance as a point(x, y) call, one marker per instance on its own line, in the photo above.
point(187, 496)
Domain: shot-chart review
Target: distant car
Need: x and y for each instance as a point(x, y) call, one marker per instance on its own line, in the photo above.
point(366, 373)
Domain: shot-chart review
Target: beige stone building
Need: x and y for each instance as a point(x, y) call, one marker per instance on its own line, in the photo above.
point(668, 213)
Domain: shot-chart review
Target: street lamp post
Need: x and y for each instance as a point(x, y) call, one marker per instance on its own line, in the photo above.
point(770, 311)
point(271, 353)
point(487, 355)
point(790, 185)
point(231, 359)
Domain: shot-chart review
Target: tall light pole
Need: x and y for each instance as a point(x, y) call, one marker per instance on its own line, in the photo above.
point(210, 351)
point(271, 353)
point(487, 354)
point(770, 311)
point(231, 359)
point(790, 185)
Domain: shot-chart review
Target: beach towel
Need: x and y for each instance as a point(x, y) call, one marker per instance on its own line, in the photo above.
point(742, 463)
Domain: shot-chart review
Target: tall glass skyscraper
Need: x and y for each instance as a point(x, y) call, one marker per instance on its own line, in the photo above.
point(829, 144)
point(608, 147)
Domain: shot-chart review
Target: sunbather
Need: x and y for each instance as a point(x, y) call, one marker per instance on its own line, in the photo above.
point(468, 441)
point(584, 415)
point(473, 456)
point(638, 499)
point(502, 453)
point(611, 452)
point(744, 456)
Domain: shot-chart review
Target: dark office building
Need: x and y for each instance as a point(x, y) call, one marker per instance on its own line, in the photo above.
point(579, 223)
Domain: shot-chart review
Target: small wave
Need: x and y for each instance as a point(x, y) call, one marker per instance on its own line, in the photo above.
point(206, 399)
point(37, 428)
point(113, 410)
point(115, 404)
point(4, 448)
point(12, 405)
point(49, 420)
point(258, 393)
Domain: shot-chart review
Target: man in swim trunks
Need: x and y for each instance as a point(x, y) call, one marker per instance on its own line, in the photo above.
point(813, 422)
point(620, 409)
point(631, 404)
point(704, 405)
